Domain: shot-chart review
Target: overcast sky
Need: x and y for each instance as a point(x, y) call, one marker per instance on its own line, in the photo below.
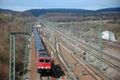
point(21, 5)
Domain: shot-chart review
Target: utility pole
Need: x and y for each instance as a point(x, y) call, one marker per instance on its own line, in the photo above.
point(55, 41)
point(12, 61)
point(12, 57)
point(110, 38)
point(100, 45)
point(26, 54)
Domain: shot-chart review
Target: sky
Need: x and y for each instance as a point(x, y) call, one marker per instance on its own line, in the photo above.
point(21, 5)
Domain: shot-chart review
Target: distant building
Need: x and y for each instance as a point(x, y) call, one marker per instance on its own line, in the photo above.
point(108, 35)
point(39, 26)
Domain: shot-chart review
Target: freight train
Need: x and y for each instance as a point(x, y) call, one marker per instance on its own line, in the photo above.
point(43, 60)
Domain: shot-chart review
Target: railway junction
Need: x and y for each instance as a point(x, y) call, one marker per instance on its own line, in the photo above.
point(73, 59)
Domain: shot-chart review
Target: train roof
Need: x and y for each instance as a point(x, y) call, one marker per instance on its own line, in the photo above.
point(38, 41)
point(44, 58)
point(42, 55)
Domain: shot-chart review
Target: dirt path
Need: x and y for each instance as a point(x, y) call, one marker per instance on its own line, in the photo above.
point(33, 73)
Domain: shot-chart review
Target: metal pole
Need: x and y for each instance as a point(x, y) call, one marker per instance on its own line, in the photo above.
point(55, 42)
point(25, 56)
point(12, 57)
point(100, 45)
point(14, 51)
point(110, 34)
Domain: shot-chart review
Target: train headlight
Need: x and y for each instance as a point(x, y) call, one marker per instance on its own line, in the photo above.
point(49, 67)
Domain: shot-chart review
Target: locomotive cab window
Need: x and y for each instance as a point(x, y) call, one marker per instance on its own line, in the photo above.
point(41, 60)
point(43, 55)
point(47, 61)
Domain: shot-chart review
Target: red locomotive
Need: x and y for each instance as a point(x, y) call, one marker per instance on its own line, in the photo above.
point(44, 61)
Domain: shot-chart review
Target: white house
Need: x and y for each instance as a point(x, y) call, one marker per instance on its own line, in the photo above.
point(108, 35)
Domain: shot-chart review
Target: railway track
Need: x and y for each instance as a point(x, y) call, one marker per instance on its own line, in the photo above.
point(70, 74)
point(104, 59)
point(33, 69)
point(110, 60)
point(93, 48)
point(44, 78)
point(110, 64)
point(90, 70)
point(53, 75)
